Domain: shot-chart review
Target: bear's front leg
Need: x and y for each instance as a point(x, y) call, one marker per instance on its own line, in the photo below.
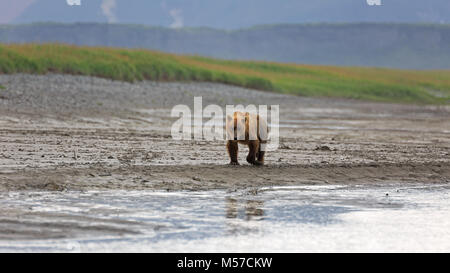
point(232, 147)
point(253, 147)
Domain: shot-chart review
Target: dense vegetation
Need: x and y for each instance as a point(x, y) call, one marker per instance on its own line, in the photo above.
point(377, 84)
point(404, 46)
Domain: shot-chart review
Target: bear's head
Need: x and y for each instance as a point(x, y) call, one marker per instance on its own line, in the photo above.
point(236, 126)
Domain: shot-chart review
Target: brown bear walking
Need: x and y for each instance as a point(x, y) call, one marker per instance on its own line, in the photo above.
point(248, 129)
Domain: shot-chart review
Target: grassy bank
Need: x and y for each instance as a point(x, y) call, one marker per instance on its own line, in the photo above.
point(309, 80)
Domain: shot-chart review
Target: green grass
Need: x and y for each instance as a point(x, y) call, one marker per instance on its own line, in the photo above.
point(377, 84)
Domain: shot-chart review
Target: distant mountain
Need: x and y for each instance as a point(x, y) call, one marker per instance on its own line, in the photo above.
point(413, 46)
point(225, 14)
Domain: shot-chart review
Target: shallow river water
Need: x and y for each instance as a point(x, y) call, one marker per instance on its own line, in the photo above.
point(273, 219)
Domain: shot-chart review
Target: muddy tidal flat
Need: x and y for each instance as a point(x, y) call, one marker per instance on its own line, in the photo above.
point(89, 164)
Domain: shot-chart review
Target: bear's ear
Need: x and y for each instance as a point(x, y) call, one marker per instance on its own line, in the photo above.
point(229, 118)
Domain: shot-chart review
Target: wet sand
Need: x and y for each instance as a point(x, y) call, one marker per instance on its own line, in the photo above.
point(80, 133)
point(63, 137)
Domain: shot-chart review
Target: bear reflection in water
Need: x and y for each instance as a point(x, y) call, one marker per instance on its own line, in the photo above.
point(246, 210)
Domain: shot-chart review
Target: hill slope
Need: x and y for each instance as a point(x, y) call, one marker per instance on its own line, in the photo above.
point(326, 81)
point(384, 45)
point(231, 14)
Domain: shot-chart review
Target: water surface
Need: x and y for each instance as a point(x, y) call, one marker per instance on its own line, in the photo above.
point(273, 219)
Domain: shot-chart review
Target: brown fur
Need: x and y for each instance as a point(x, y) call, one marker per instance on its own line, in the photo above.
point(241, 120)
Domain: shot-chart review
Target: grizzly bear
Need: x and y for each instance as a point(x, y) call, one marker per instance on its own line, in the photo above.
point(248, 129)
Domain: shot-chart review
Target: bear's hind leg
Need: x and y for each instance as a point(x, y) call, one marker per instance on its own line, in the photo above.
point(232, 147)
point(260, 156)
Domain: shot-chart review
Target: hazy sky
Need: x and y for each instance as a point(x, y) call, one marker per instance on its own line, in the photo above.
point(10, 9)
point(223, 13)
